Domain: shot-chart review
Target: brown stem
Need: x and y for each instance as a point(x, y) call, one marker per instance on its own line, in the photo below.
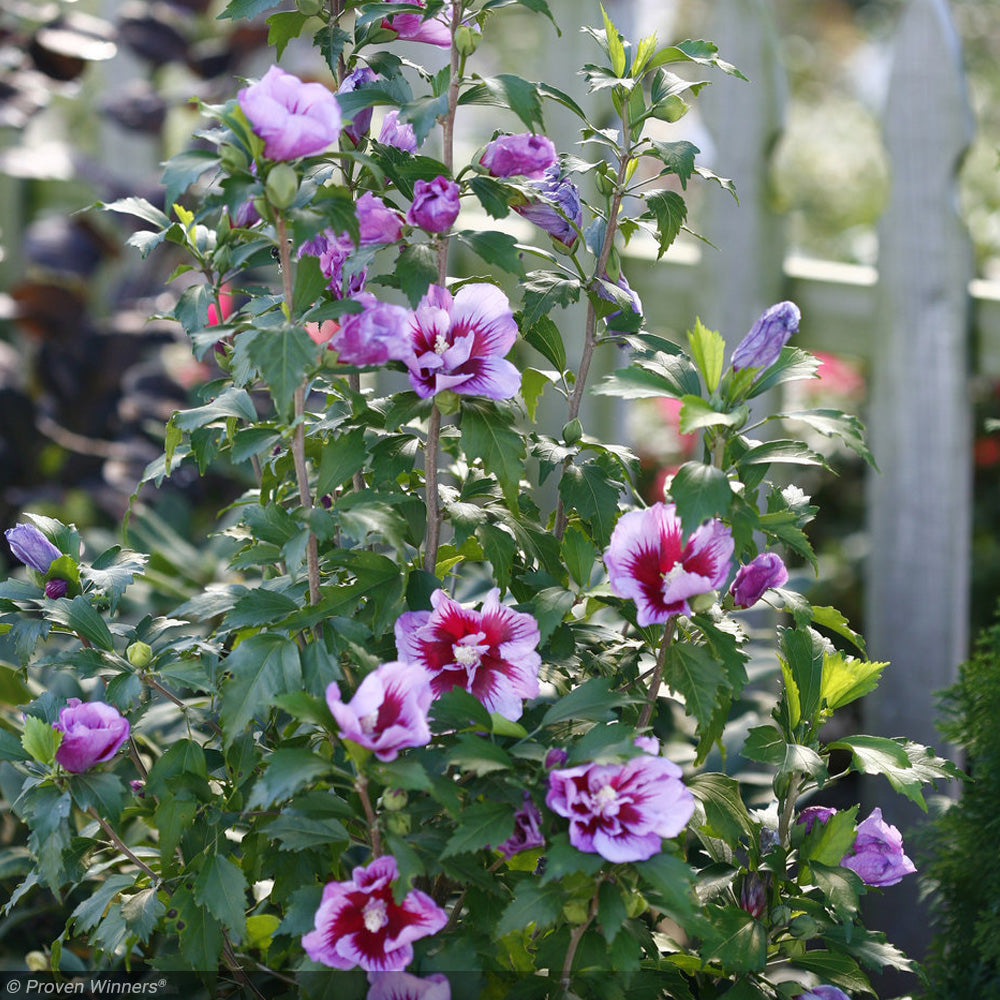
point(574, 940)
point(170, 696)
point(362, 786)
point(433, 500)
point(590, 328)
point(133, 752)
point(119, 843)
point(657, 679)
point(299, 408)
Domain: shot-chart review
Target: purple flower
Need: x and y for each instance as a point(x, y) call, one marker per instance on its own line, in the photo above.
point(526, 153)
point(878, 857)
point(557, 208)
point(334, 252)
point(377, 222)
point(489, 653)
point(374, 336)
point(414, 28)
point(32, 547)
point(293, 118)
point(555, 757)
point(360, 79)
point(527, 830)
point(459, 342)
point(56, 588)
point(815, 814)
point(396, 133)
point(388, 711)
point(621, 811)
point(649, 561)
point(404, 986)
point(762, 345)
point(358, 923)
point(756, 577)
point(648, 744)
point(435, 205)
point(92, 733)
point(822, 993)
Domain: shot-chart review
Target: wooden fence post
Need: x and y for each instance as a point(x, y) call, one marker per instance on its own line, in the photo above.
point(920, 504)
point(741, 278)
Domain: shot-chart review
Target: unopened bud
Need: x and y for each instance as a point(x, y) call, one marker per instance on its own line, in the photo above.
point(635, 905)
point(753, 894)
point(394, 799)
point(572, 431)
point(139, 654)
point(56, 588)
point(575, 911)
point(282, 185)
point(466, 40)
point(398, 823)
point(702, 602)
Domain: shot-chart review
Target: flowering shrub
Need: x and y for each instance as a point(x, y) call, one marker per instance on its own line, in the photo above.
point(429, 723)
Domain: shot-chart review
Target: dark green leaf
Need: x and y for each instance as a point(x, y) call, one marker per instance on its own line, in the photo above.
point(221, 888)
point(310, 282)
point(288, 770)
point(736, 940)
point(200, 935)
point(142, 912)
point(112, 572)
point(508, 91)
point(792, 365)
point(479, 755)
point(803, 651)
point(591, 701)
point(88, 913)
point(544, 337)
point(827, 843)
point(532, 904)
point(492, 196)
point(836, 969)
point(664, 375)
point(592, 489)
point(542, 291)
point(102, 792)
point(700, 492)
point(669, 211)
point(282, 357)
point(498, 249)
point(481, 824)
point(697, 675)
point(788, 451)
point(457, 709)
point(247, 10)
point(697, 413)
point(677, 158)
point(488, 434)
point(725, 812)
point(283, 27)
point(79, 616)
point(343, 456)
point(416, 270)
point(764, 744)
point(183, 169)
point(229, 403)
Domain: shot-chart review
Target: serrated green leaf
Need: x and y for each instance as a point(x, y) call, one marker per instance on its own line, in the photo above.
point(725, 812)
point(112, 572)
point(700, 492)
point(79, 616)
point(498, 249)
point(100, 791)
point(544, 336)
point(40, 740)
point(786, 451)
point(542, 291)
point(261, 667)
point(846, 679)
point(591, 701)
point(803, 652)
point(677, 158)
point(231, 402)
point(535, 904)
point(142, 912)
point(283, 27)
point(417, 270)
point(616, 49)
point(282, 357)
point(694, 673)
point(288, 770)
point(508, 91)
point(478, 755)
point(492, 195)
point(827, 843)
point(199, 933)
point(697, 413)
point(221, 889)
point(592, 491)
point(579, 554)
point(481, 824)
point(670, 213)
point(708, 351)
point(183, 169)
point(488, 434)
point(89, 912)
point(736, 940)
point(664, 375)
point(343, 456)
point(764, 744)
point(247, 10)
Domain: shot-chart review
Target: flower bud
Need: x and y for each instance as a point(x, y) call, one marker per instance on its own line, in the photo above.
point(762, 345)
point(32, 547)
point(757, 577)
point(56, 588)
point(398, 823)
point(139, 654)
point(575, 911)
point(556, 757)
point(636, 904)
point(394, 799)
point(282, 186)
point(572, 431)
point(702, 602)
point(466, 40)
point(753, 894)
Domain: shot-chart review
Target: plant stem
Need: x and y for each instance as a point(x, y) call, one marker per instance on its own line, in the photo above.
point(590, 328)
point(432, 450)
point(119, 843)
point(785, 819)
point(574, 940)
point(298, 420)
point(657, 678)
point(376, 838)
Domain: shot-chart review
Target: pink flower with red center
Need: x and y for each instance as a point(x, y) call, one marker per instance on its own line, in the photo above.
point(404, 986)
point(388, 711)
point(650, 561)
point(358, 923)
point(459, 343)
point(490, 653)
point(621, 811)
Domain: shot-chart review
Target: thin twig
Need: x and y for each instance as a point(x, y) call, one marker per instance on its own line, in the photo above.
point(362, 786)
point(574, 940)
point(654, 687)
point(120, 844)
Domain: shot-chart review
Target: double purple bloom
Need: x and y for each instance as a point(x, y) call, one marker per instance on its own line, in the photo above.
point(525, 154)
point(491, 653)
point(459, 343)
point(621, 811)
point(292, 117)
point(435, 205)
point(388, 711)
point(359, 923)
point(373, 336)
point(396, 133)
point(558, 207)
point(92, 733)
point(762, 345)
point(650, 561)
point(527, 830)
point(757, 577)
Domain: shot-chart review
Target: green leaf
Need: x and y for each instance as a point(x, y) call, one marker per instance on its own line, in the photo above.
point(343, 456)
point(592, 490)
point(535, 904)
point(677, 158)
point(102, 792)
point(549, 607)
point(283, 27)
point(288, 770)
point(173, 818)
point(616, 49)
point(664, 375)
point(562, 858)
point(611, 911)
point(591, 701)
point(803, 651)
point(511, 92)
point(787, 451)
point(670, 212)
point(310, 283)
point(846, 679)
point(833, 423)
point(694, 50)
point(246, 10)
point(138, 207)
point(834, 968)
point(840, 886)
point(40, 740)
point(736, 940)
point(542, 291)
point(700, 492)
point(79, 616)
point(764, 744)
point(261, 667)
point(725, 812)
point(793, 364)
point(221, 888)
point(416, 269)
point(142, 912)
point(457, 709)
point(112, 572)
point(201, 937)
point(488, 434)
point(89, 912)
point(258, 607)
point(708, 350)
point(282, 357)
point(693, 672)
point(544, 336)
point(672, 881)
point(499, 249)
point(579, 553)
point(479, 755)
point(183, 169)
point(231, 402)
point(697, 413)
point(828, 842)
point(832, 619)
point(481, 824)
point(492, 196)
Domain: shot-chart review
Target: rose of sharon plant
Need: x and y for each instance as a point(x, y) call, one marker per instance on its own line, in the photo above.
point(435, 714)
